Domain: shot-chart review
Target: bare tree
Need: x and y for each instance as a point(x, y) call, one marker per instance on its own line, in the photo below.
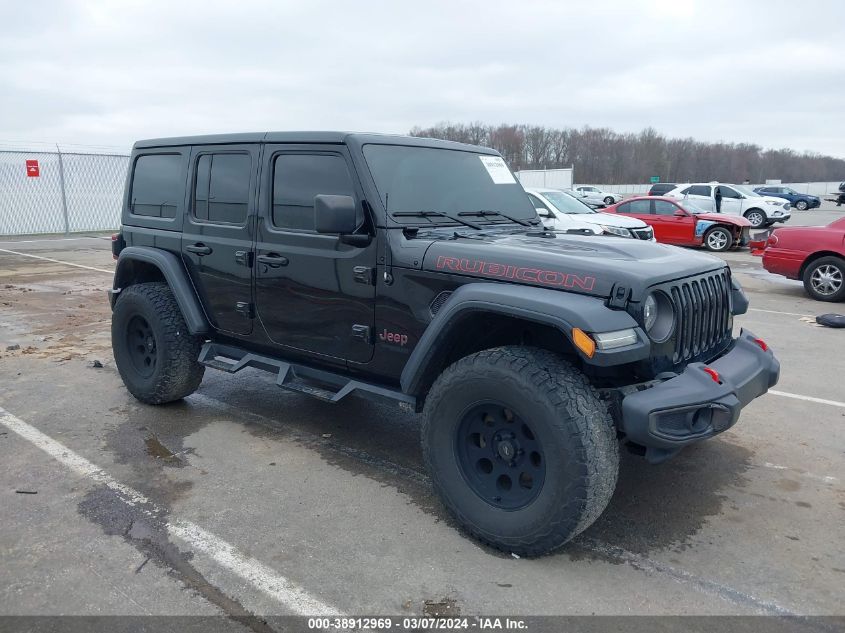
point(601, 155)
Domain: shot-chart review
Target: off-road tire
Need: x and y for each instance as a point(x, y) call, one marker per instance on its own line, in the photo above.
point(712, 243)
point(175, 372)
point(580, 449)
point(831, 265)
point(801, 205)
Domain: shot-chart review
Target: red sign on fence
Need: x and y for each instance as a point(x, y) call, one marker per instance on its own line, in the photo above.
point(32, 169)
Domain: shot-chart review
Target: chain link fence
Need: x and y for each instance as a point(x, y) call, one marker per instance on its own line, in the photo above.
point(58, 192)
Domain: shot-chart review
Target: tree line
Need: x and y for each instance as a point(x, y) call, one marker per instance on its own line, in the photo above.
point(601, 155)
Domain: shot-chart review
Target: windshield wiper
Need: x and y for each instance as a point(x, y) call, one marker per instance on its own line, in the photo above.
point(482, 214)
point(434, 214)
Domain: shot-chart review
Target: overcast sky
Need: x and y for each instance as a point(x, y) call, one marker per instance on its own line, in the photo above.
point(110, 72)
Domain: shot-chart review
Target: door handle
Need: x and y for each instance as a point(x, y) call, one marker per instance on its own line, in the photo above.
point(273, 260)
point(199, 249)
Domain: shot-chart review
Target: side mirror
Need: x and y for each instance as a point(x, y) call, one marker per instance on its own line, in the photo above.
point(543, 213)
point(336, 214)
point(680, 213)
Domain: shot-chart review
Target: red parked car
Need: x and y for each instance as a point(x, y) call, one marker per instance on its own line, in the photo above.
point(814, 254)
point(678, 222)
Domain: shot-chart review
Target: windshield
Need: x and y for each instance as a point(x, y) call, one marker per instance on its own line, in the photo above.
point(690, 206)
point(747, 191)
point(446, 181)
point(565, 203)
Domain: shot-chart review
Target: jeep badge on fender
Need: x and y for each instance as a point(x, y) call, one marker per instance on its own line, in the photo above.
point(417, 271)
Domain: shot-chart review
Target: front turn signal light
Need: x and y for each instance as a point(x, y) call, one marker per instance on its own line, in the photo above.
point(583, 342)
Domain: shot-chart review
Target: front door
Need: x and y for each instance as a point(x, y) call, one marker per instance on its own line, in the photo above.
point(732, 201)
point(674, 229)
point(314, 293)
point(217, 235)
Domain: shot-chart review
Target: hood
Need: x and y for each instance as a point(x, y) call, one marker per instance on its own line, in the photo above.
point(723, 218)
point(768, 198)
point(573, 263)
point(613, 219)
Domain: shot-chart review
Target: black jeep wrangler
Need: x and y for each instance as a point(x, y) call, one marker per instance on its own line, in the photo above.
point(417, 270)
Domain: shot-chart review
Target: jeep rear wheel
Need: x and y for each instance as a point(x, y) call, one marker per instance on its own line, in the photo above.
point(153, 351)
point(520, 449)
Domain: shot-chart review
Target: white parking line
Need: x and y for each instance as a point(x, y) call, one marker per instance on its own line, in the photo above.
point(779, 312)
point(798, 396)
point(56, 261)
point(226, 555)
point(57, 239)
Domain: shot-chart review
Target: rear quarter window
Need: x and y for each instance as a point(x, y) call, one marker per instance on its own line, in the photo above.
point(157, 186)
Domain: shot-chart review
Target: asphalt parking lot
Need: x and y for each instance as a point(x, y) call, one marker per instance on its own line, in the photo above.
point(246, 499)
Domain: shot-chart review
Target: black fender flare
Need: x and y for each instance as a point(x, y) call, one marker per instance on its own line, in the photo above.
point(561, 310)
point(174, 274)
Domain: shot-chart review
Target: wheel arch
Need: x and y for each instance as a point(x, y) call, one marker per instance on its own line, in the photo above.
point(139, 264)
point(816, 256)
point(484, 315)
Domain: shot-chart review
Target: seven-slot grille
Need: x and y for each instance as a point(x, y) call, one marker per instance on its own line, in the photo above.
point(643, 234)
point(702, 313)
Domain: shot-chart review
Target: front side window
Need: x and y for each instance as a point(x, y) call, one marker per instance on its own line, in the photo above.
point(664, 207)
point(298, 178)
point(157, 186)
point(727, 192)
point(221, 192)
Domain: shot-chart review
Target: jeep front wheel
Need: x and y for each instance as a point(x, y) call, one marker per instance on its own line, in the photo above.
point(153, 350)
point(520, 448)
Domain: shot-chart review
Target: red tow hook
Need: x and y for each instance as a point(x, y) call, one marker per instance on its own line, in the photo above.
point(713, 374)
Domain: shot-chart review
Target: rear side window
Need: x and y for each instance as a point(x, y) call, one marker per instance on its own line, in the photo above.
point(698, 190)
point(156, 185)
point(221, 191)
point(641, 207)
point(297, 178)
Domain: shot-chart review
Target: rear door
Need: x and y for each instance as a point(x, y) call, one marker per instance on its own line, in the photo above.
point(218, 232)
point(314, 293)
point(641, 209)
point(701, 196)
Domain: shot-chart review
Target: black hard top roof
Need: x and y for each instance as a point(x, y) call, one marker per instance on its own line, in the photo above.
point(307, 137)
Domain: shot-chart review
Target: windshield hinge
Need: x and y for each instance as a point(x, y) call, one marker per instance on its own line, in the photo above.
point(619, 296)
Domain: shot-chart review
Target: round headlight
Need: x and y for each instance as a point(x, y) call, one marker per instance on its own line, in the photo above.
point(650, 312)
point(658, 316)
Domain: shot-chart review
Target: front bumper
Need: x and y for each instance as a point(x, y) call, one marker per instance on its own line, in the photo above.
point(692, 406)
point(783, 217)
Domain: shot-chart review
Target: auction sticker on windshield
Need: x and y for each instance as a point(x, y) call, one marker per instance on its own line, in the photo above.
point(497, 169)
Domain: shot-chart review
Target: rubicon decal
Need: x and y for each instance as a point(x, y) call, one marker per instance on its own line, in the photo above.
point(519, 273)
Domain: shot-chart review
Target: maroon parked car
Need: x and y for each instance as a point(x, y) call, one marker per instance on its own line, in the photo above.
point(814, 254)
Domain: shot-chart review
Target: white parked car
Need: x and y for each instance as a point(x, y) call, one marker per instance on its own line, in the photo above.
point(760, 210)
point(594, 195)
point(561, 211)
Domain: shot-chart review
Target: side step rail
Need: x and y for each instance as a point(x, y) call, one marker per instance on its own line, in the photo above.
point(329, 387)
